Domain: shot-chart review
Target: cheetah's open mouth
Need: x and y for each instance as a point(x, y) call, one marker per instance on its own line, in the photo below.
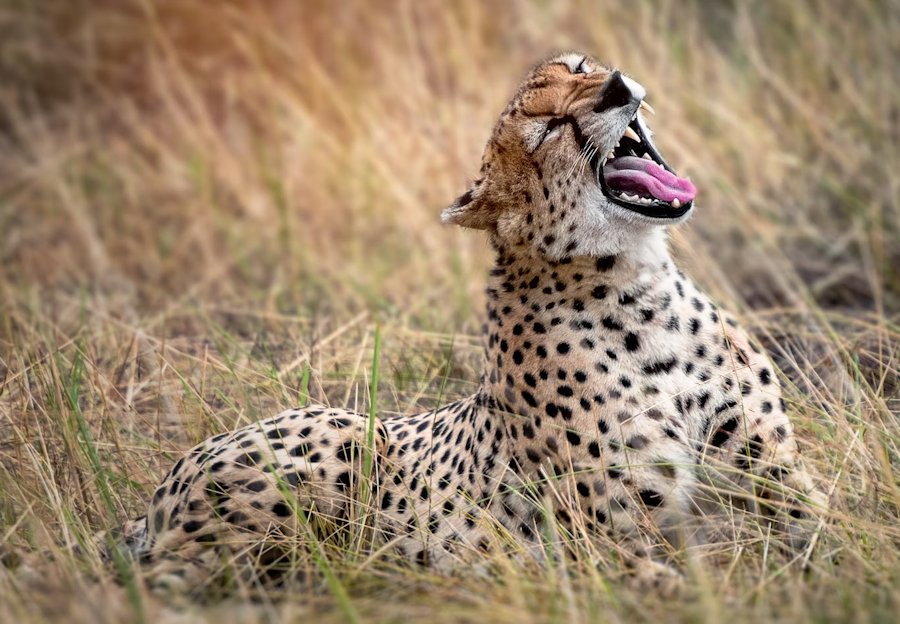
point(635, 176)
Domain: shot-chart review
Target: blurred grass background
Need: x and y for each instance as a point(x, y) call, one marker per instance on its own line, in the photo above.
point(206, 208)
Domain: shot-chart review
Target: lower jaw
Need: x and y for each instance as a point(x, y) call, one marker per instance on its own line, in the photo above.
point(663, 212)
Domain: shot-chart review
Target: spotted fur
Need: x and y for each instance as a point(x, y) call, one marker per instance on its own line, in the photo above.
point(614, 392)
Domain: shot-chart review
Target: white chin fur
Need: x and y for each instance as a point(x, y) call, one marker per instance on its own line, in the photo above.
point(607, 229)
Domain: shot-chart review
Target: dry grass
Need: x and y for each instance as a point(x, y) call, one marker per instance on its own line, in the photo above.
point(206, 212)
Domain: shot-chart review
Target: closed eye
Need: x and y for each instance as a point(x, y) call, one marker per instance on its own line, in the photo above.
point(582, 67)
point(552, 129)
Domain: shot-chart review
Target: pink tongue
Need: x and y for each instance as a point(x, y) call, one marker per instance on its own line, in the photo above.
point(644, 177)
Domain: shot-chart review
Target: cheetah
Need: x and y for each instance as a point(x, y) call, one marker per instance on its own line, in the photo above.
point(616, 397)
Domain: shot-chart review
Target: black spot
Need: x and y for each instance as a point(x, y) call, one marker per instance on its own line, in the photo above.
point(661, 367)
point(606, 263)
point(594, 449)
point(599, 291)
point(348, 451)
point(256, 486)
point(573, 437)
point(216, 491)
point(343, 480)
point(611, 323)
point(295, 478)
point(651, 498)
point(703, 399)
point(724, 432)
point(765, 377)
point(192, 526)
point(727, 405)
point(632, 343)
point(637, 442)
point(755, 447)
point(248, 459)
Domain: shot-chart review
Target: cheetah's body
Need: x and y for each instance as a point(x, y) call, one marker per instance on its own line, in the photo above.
point(614, 393)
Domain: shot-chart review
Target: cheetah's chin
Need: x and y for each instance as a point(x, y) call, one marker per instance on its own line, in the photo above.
point(635, 176)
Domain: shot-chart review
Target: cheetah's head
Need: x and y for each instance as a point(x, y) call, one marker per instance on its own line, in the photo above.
point(571, 167)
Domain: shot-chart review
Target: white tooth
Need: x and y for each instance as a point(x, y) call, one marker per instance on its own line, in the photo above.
point(647, 107)
point(631, 134)
point(676, 203)
point(612, 154)
point(647, 156)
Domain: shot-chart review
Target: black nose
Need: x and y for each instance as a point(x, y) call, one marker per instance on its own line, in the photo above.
point(615, 94)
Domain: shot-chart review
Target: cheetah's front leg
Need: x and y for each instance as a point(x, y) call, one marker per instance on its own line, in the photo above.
point(782, 486)
point(759, 443)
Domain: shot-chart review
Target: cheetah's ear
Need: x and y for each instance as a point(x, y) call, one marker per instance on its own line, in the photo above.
point(471, 209)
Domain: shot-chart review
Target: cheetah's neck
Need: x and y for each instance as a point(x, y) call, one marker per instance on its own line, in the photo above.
point(564, 319)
